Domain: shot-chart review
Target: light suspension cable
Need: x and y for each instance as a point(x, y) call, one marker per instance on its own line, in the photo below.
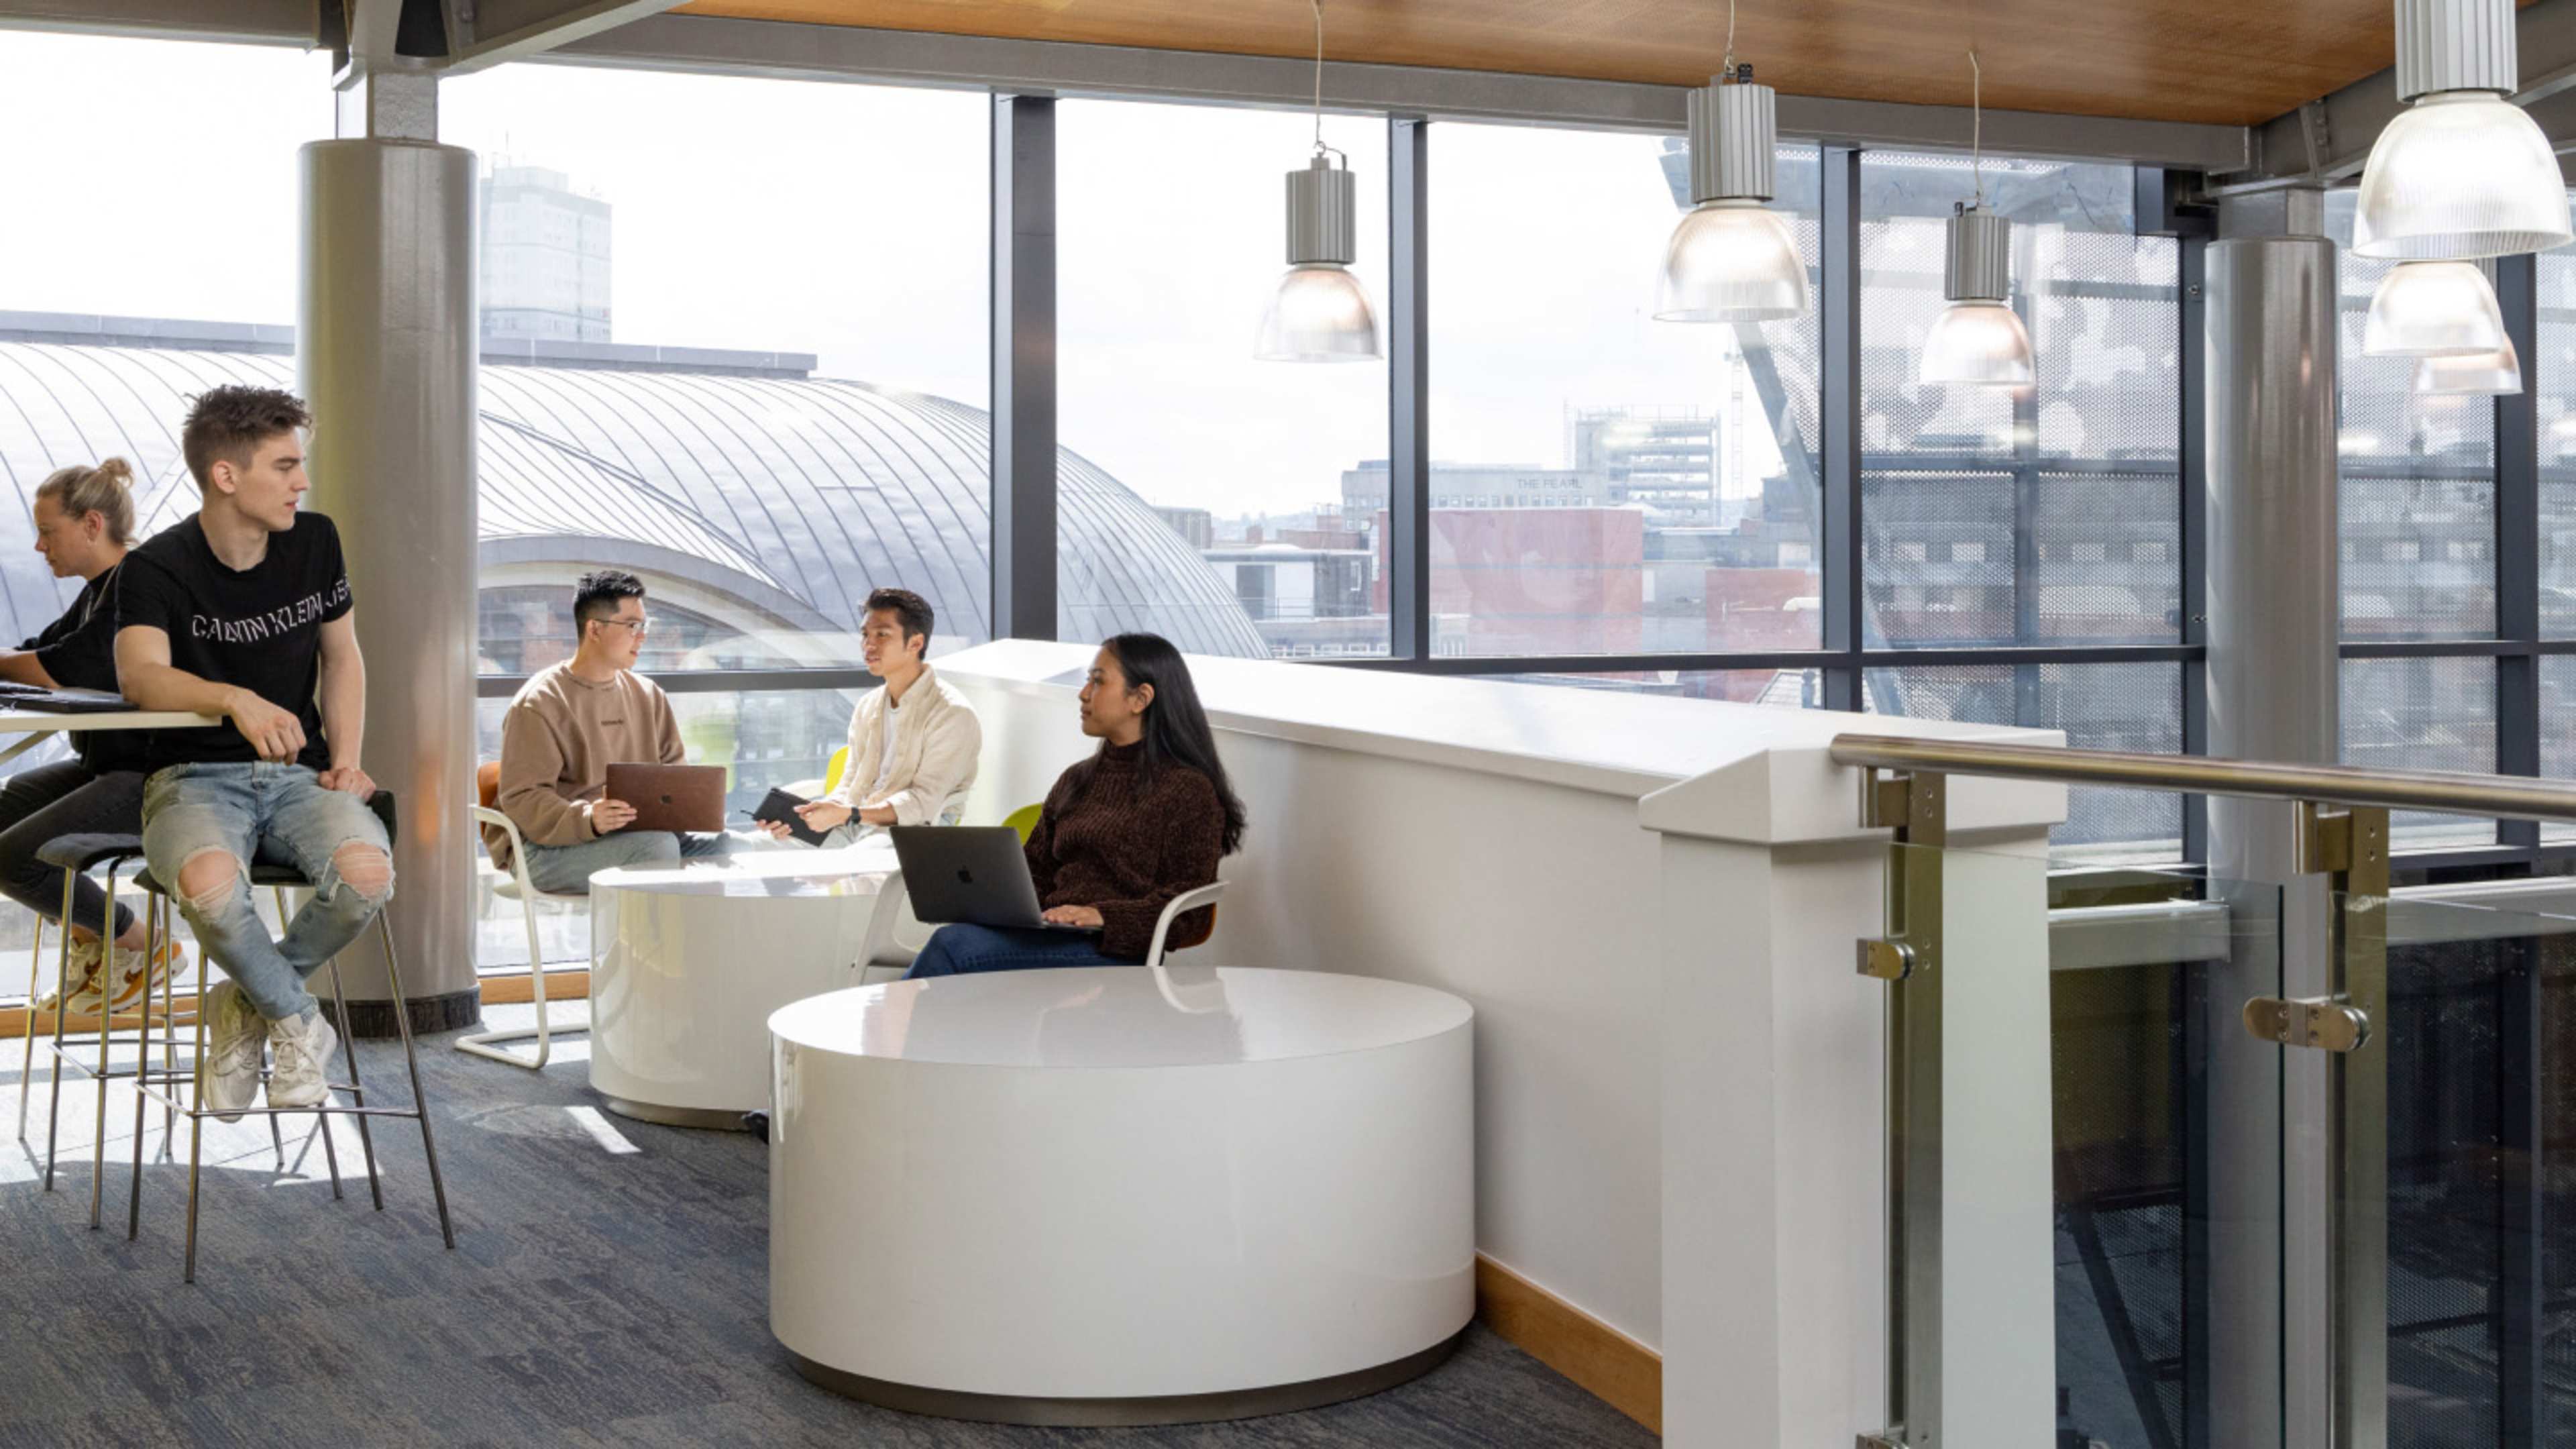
point(1318, 311)
point(1978, 339)
point(1730, 259)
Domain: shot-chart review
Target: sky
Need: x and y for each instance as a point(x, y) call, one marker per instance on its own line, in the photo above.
point(849, 221)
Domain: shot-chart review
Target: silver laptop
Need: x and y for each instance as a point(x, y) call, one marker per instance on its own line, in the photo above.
point(975, 875)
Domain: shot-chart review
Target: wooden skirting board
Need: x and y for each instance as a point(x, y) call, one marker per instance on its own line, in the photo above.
point(569, 984)
point(1617, 1369)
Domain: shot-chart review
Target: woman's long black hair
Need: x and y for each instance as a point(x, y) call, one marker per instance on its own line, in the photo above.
point(1176, 726)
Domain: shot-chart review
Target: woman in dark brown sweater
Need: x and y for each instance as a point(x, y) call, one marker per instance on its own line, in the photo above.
point(1124, 832)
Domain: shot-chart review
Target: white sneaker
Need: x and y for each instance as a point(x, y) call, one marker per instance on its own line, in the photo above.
point(228, 1078)
point(82, 972)
point(302, 1047)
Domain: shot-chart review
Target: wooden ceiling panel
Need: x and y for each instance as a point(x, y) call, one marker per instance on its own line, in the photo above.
point(2232, 62)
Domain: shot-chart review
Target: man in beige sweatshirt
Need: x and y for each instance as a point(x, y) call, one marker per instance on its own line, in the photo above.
point(566, 726)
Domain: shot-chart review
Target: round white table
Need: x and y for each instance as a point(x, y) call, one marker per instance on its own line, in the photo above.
point(688, 962)
point(1108, 1195)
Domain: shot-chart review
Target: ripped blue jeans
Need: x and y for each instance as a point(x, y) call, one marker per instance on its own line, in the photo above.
point(265, 814)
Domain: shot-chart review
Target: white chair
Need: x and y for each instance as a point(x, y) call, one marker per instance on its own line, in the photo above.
point(515, 886)
point(1189, 900)
point(891, 943)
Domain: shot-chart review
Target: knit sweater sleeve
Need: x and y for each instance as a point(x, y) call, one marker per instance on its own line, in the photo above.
point(1193, 830)
point(1040, 847)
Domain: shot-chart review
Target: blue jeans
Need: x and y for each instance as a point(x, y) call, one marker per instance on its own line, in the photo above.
point(961, 950)
point(565, 870)
point(266, 814)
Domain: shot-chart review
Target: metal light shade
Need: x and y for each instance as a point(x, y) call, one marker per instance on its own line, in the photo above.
point(2457, 177)
point(1978, 339)
point(2487, 374)
point(1731, 261)
point(2433, 309)
point(1318, 313)
point(1978, 342)
point(2462, 173)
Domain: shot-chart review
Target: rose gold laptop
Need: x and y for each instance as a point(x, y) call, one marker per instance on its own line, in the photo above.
point(671, 797)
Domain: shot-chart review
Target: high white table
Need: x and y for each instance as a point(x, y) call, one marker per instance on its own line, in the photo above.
point(34, 726)
point(688, 962)
point(1121, 1195)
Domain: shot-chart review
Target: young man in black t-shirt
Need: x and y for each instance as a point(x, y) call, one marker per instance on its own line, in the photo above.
point(244, 611)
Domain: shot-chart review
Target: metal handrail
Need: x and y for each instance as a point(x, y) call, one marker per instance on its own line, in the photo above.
point(2504, 797)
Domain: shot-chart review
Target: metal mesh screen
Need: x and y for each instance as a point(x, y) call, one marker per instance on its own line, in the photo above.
point(2042, 515)
point(2418, 495)
point(2099, 706)
point(2552, 379)
point(2423, 714)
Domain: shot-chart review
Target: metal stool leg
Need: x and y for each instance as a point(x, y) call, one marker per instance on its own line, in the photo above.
point(357, 1088)
point(196, 1126)
point(152, 923)
point(411, 1061)
point(27, 1061)
point(106, 1022)
point(158, 933)
point(62, 999)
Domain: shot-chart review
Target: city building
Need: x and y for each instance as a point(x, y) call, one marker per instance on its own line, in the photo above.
point(545, 257)
point(1889, 762)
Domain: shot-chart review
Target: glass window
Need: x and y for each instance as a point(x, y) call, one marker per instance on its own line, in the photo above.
point(2557, 729)
point(1786, 688)
point(767, 739)
point(1227, 503)
point(2418, 476)
point(2099, 706)
point(2055, 511)
point(713, 360)
point(2552, 378)
point(2423, 714)
point(1685, 454)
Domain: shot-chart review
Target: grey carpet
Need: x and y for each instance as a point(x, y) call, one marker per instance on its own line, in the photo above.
point(595, 1297)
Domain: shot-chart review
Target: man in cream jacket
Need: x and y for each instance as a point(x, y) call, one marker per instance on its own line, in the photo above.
point(913, 742)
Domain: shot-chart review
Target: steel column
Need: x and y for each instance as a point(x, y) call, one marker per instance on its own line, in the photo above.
point(1023, 363)
point(385, 353)
point(1839, 443)
point(2269, 408)
point(1408, 403)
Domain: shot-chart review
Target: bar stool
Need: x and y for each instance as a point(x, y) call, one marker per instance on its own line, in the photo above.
point(75, 856)
point(167, 1091)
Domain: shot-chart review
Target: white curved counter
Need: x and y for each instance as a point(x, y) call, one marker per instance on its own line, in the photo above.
point(687, 963)
point(1108, 1195)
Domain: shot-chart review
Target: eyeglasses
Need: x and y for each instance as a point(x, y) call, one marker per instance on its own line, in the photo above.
point(640, 626)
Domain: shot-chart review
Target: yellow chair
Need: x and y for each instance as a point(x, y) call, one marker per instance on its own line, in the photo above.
point(1025, 820)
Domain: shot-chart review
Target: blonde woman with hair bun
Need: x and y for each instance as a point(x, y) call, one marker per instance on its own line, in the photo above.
point(84, 523)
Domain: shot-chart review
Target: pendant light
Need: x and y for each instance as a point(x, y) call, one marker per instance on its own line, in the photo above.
point(2476, 373)
point(1319, 312)
point(2433, 309)
point(1978, 339)
point(2462, 172)
point(1730, 258)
